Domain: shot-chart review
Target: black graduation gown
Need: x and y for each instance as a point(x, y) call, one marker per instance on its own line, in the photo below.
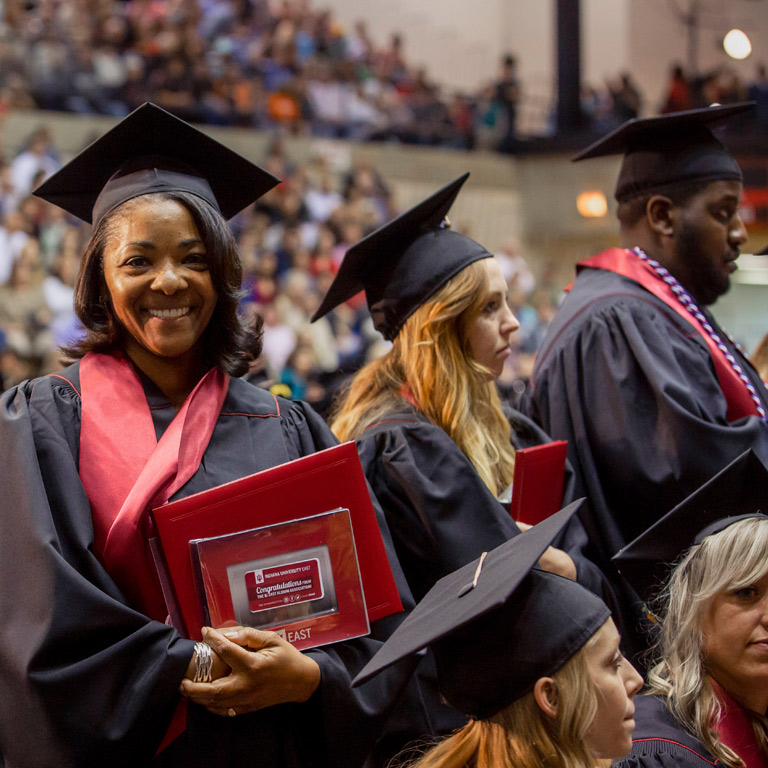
point(440, 513)
point(442, 516)
point(631, 386)
point(86, 680)
point(660, 742)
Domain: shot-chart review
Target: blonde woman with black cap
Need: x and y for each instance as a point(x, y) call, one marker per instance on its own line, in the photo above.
point(435, 442)
point(708, 688)
point(152, 409)
point(530, 657)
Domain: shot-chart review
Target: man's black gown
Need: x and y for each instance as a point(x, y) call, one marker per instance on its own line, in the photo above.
point(86, 680)
point(632, 387)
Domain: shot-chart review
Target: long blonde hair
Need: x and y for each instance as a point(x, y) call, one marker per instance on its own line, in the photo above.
point(728, 560)
point(431, 355)
point(522, 735)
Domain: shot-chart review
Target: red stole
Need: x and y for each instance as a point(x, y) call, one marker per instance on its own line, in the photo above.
point(735, 730)
point(623, 262)
point(125, 471)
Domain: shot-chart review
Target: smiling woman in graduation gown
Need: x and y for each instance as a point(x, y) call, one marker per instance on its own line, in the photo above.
point(89, 672)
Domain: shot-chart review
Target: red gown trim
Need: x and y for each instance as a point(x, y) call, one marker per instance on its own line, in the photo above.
point(735, 730)
point(623, 262)
point(125, 472)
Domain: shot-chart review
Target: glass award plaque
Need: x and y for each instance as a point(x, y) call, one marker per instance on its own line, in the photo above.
point(299, 578)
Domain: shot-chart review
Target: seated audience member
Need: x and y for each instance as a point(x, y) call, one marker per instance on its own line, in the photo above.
point(532, 658)
point(708, 691)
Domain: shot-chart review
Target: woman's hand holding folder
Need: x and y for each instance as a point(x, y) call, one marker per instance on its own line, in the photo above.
point(265, 670)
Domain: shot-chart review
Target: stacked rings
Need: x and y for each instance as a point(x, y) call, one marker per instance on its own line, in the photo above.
point(203, 663)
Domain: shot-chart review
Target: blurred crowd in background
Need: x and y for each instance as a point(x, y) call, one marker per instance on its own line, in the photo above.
point(283, 67)
point(291, 241)
point(265, 65)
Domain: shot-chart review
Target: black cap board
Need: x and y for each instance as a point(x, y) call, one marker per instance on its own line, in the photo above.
point(498, 624)
point(737, 492)
point(150, 150)
point(673, 149)
point(404, 262)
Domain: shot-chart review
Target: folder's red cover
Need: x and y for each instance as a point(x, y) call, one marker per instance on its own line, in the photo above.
point(537, 484)
point(307, 486)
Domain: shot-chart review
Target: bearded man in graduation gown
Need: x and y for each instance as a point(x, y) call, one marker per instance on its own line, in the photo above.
point(653, 396)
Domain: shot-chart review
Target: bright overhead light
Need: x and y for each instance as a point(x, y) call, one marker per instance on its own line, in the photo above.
point(592, 204)
point(737, 44)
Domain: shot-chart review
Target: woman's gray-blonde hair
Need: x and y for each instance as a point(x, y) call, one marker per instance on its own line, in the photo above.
point(728, 560)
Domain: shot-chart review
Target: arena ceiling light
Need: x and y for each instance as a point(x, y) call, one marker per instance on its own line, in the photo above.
point(592, 204)
point(737, 45)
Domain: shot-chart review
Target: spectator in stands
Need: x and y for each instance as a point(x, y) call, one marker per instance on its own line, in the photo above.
point(24, 315)
point(514, 267)
point(758, 92)
point(323, 199)
point(13, 237)
point(506, 98)
point(626, 98)
point(58, 292)
point(678, 95)
point(35, 159)
point(279, 339)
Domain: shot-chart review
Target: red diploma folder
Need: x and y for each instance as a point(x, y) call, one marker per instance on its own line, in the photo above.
point(308, 486)
point(537, 485)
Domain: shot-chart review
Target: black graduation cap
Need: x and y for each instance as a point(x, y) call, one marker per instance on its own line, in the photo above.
point(404, 262)
point(673, 149)
point(152, 151)
point(735, 493)
point(498, 624)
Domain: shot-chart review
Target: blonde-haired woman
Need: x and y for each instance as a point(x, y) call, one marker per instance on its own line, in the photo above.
point(530, 657)
point(708, 691)
point(530, 733)
point(434, 440)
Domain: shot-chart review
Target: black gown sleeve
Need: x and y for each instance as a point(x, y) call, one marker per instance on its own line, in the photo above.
point(661, 755)
point(74, 658)
point(439, 511)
